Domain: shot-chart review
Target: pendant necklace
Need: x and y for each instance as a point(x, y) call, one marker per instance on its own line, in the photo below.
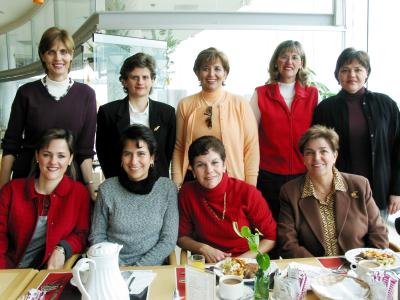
point(213, 211)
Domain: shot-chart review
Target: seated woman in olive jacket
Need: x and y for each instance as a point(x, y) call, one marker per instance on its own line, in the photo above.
point(326, 212)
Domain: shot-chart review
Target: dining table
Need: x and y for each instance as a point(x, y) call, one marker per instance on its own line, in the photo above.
point(164, 283)
point(14, 281)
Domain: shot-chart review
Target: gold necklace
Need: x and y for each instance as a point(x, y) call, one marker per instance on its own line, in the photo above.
point(216, 102)
point(213, 211)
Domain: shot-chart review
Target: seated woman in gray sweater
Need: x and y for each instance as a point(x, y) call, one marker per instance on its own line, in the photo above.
point(138, 209)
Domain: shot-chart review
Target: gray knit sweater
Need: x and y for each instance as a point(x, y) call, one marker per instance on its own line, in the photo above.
point(146, 225)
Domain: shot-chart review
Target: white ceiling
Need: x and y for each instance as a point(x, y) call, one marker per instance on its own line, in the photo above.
point(12, 10)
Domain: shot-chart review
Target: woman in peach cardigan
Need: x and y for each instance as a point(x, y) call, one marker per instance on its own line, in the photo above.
point(216, 112)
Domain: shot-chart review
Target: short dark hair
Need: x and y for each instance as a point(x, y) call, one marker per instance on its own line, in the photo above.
point(138, 60)
point(203, 145)
point(48, 136)
point(350, 54)
point(320, 131)
point(51, 35)
point(302, 74)
point(211, 55)
point(137, 133)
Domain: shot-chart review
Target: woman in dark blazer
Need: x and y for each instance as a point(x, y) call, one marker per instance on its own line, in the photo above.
point(137, 76)
point(326, 212)
point(368, 124)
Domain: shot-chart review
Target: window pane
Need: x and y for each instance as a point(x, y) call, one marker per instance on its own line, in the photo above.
point(286, 6)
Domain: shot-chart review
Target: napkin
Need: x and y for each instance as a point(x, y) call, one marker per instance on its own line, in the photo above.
point(383, 285)
point(142, 279)
point(310, 271)
point(290, 285)
point(346, 288)
point(34, 294)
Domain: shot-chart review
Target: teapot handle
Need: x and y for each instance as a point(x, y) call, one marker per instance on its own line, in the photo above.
point(82, 264)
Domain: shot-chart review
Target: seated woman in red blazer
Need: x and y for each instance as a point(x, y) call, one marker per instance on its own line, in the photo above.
point(326, 212)
point(44, 219)
point(210, 204)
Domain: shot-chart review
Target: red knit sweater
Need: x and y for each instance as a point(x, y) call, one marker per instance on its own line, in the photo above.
point(202, 222)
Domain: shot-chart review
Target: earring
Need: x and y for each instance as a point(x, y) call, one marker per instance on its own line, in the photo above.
point(152, 165)
point(276, 66)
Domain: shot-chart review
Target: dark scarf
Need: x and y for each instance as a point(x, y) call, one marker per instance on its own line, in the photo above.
point(141, 187)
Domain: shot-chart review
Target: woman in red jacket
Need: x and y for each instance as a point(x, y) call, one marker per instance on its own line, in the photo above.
point(283, 108)
point(210, 204)
point(44, 219)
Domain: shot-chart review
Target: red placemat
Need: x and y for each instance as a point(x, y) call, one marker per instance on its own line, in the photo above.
point(332, 262)
point(58, 287)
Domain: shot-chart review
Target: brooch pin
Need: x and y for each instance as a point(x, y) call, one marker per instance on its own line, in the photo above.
point(354, 195)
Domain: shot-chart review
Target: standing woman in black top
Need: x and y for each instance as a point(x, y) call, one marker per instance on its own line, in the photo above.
point(137, 76)
point(55, 101)
point(368, 125)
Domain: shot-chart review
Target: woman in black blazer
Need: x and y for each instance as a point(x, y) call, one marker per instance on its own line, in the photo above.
point(137, 76)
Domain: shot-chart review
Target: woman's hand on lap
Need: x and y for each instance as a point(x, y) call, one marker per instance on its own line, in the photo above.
point(56, 260)
point(213, 255)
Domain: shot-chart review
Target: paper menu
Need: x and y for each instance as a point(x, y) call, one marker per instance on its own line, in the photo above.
point(199, 284)
point(180, 282)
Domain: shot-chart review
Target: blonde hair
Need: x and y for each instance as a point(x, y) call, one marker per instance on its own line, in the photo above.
point(303, 73)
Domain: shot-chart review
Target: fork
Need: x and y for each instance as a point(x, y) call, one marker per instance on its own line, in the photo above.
point(176, 295)
point(340, 268)
point(130, 282)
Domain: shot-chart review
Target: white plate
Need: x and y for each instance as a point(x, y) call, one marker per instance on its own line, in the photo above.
point(218, 270)
point(247, 292)
point(351, 254)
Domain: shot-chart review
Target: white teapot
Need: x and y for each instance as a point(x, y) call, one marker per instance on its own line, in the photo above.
point(104, 280)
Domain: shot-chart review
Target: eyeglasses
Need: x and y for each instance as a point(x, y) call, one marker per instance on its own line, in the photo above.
point(208, 113)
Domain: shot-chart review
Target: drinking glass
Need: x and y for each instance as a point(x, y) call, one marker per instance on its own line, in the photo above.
point(197, 261)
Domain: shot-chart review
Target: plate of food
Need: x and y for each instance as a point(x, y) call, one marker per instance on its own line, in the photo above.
point(385, 257)
point(244, 267)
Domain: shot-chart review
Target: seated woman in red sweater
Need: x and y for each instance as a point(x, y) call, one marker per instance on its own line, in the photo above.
point(209, 205)
point(44, 219)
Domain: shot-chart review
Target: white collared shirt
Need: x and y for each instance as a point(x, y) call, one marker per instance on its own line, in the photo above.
point(137, 117)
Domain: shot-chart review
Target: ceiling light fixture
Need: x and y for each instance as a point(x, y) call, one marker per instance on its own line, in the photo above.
point(38, 1)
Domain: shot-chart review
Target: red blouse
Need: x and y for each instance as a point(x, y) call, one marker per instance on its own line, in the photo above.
point(201, 211)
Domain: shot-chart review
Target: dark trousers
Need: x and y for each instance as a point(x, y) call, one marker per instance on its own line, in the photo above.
point(269, 184)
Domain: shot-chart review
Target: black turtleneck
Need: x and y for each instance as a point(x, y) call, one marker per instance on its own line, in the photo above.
point(360, 144)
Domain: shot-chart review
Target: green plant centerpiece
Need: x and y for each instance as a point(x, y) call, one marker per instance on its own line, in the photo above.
point(261, 282)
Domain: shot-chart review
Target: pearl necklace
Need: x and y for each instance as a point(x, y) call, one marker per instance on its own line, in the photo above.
point(63, 95)
point(213, 211)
